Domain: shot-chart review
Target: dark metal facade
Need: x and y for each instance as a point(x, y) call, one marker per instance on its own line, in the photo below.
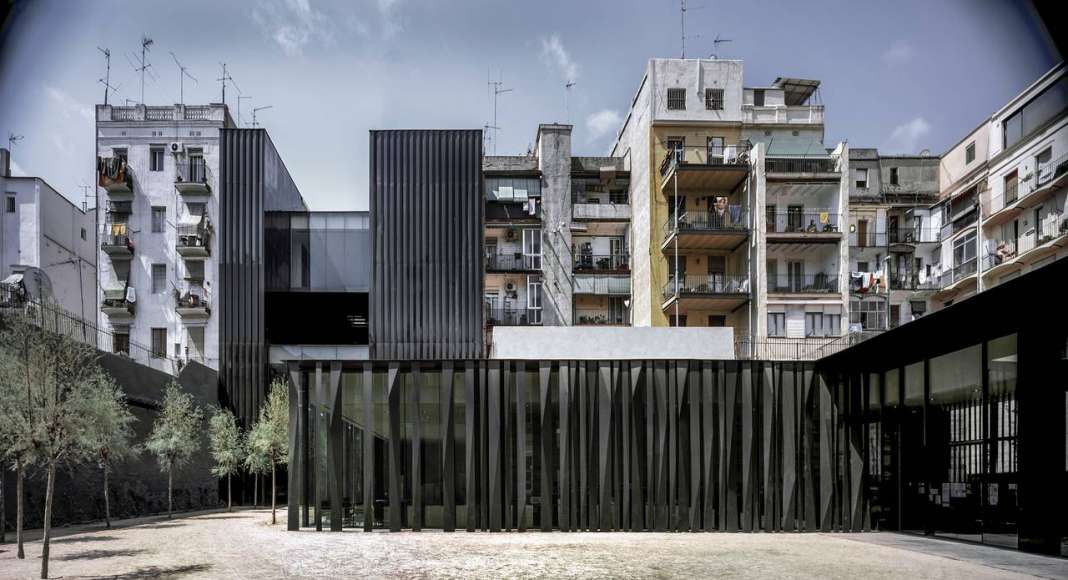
point(252, 180)
point(426, 232)
point(573, 445)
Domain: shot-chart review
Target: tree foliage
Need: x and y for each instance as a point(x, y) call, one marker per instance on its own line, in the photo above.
point(175, 434)
point(227, 448)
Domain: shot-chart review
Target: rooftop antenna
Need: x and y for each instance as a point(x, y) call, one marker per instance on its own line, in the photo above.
point(106, 81)
point(145, 43)
point(12, 139)
point(182, 73)
point(682, 17)
point(715, 45)
point(257, 109)
point(497, 91)
point(239, 97)
point(85, 196)
point(226, 77)
point(567, 92)
point(487, 139)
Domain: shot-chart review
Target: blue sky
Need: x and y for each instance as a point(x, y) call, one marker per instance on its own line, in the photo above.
point(902, 76)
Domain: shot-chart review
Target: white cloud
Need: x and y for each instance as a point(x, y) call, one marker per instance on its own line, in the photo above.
point(68, 106)
point(555, 55)
point(602, 123)
point(905, 138)
point(293, 24)
point(899, 53)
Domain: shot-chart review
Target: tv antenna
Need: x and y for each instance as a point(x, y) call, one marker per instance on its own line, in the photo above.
point(682, 17)
point(106, 81)
point(182, 73)
point(715, 45)
point(257, 109)
point(85, 196)
point(239, 97)
point(567, 93)
point(497, 91)
point(146, 42)
point(226, 77)
point(486, 138)
point(12, 139)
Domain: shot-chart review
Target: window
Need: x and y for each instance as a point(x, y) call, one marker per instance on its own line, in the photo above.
point(676, 99)
point(870, 314)
point(776, 324)
point(714, 99)
point(534, 298)
point(822, 324)
point(678, 145)
point(10, 203)
point(893, 176)
point(717, 320)
point(758, 97)
point(120, 343)
point(860, 177)
point(964, 249)
point(159, 342)
point(1043, 167)
point(969, 153)
point(155, 159)
point(532, 248)
point(159, 217)
point(159, 278)
point(1035, 113)
point(83, 233)
point(679, 320)
point(715, 150)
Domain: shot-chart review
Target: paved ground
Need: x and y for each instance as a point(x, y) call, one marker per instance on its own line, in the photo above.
point(243, 545)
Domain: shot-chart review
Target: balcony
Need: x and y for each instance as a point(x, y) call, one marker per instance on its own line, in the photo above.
point(1034, 245)
point(801, 167)
point(601, 263)
point(1030, 190)
point(782, 115)
point(721, 292)
point(116, 306)
point(711, 168)
point(710, 230)
point(601, 285)
point(601, 317)
point(960, 279)
point(863, 240)
point(115, 241)
point(911, 281)
point(194, 240)
point(513, 316)
point(805, 225)
point(505, 213)
point(115, 176)
point(904, 241)
point(190, 306)
point(822, 283)
point(613, 207)
point(512, 262)
point(193, 177)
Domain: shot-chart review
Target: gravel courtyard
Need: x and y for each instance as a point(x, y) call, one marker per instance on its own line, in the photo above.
point(243, 545)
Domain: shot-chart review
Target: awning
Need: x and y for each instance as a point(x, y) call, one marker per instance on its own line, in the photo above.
point(12, 279)
point(190, 220)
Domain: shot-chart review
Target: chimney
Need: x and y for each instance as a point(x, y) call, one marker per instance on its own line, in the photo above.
point(5, 162)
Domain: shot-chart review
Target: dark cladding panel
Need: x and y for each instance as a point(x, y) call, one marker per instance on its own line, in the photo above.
point(426, 232)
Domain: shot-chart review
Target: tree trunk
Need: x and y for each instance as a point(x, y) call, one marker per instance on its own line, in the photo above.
point(19, 509)
point(170, 491)
point(274, 494)
point(107, 504)
point(229, 494)
point(256, 491)
point(49, 492)
point(3, 510)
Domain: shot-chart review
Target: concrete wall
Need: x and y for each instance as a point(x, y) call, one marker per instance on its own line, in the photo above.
point(554, 162)
point(542, 343)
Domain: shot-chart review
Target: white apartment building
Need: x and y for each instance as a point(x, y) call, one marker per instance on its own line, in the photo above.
point(158, 173)
point(41, 231)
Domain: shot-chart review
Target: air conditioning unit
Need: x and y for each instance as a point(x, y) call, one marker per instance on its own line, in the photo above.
point(510, 286)
point(511, 234)
point(177, 147)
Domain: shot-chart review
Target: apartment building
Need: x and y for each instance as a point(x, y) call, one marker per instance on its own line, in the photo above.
point(556, 237)
point(892, 235)
point(1002, 199)
point(737, 204)
point(46, 245)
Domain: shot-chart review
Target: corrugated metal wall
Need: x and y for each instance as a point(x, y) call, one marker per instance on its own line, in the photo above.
point(252, 180)
point(426, 232)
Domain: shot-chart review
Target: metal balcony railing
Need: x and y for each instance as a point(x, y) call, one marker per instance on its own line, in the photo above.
point(512, 262)
point(731, 219)
point(1047, 172)
point(868, 239)
point(513, 316)
point(808, 220)
point(594, 197)
point(195, 170)
point(803, 284)
point(190, 300)
point(725, 155)
point(911, 281)
point(608, 263)
point(194, 236)
point(958, 273)
point(706, 285)
point(914, 236)
point(601, 317)
point(801, 165)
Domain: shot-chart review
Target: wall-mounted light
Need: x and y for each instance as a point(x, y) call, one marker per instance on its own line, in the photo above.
point(852, 228)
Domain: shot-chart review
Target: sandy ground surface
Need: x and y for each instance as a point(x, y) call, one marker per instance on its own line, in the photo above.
point(242, 544)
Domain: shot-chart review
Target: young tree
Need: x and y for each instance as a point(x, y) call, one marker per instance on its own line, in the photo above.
point(63, 401)
point(256, 461)
point(175, 435)
point(269, 437)
point(227, 448)
point(110, 439)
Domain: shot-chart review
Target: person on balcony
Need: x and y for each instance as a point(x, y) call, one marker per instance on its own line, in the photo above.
point(720, 216)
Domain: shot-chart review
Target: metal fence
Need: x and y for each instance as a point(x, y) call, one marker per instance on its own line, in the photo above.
point(787, 349)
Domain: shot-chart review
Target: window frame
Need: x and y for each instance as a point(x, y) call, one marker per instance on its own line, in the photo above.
point(10, 205)
point(163, 281)
point(856, 180)
point(153, 152)
point(894, 176)
point(159, 333)
point(713, 99)
point(676, 98)
point(159, 226)
point(969, 153)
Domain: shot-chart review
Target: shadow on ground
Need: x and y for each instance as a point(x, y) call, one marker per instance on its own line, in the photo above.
point(98, 554)
point(80, 539)
point(157, 572)
point(160, 526)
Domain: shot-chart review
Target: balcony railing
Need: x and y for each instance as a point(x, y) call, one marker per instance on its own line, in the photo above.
point(607, 263)
point(868, 239)
point(911, 281)
point(601, 317)
point(115, 239)
point(512, 262)
point(513, 316)
point(732, 219)
point(821, 283)
point(915, 236)
point(799, 114)
point(602, 285)
point(193, 176)
point(801, 165)
point(1052, 226)
point(602, 198)
point(959, 272)
point(115, 303)
point(191, 305)
point(1047, 172)
point(808, 220)
point(732, 155)
point(194, 237)
point(706, 285)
